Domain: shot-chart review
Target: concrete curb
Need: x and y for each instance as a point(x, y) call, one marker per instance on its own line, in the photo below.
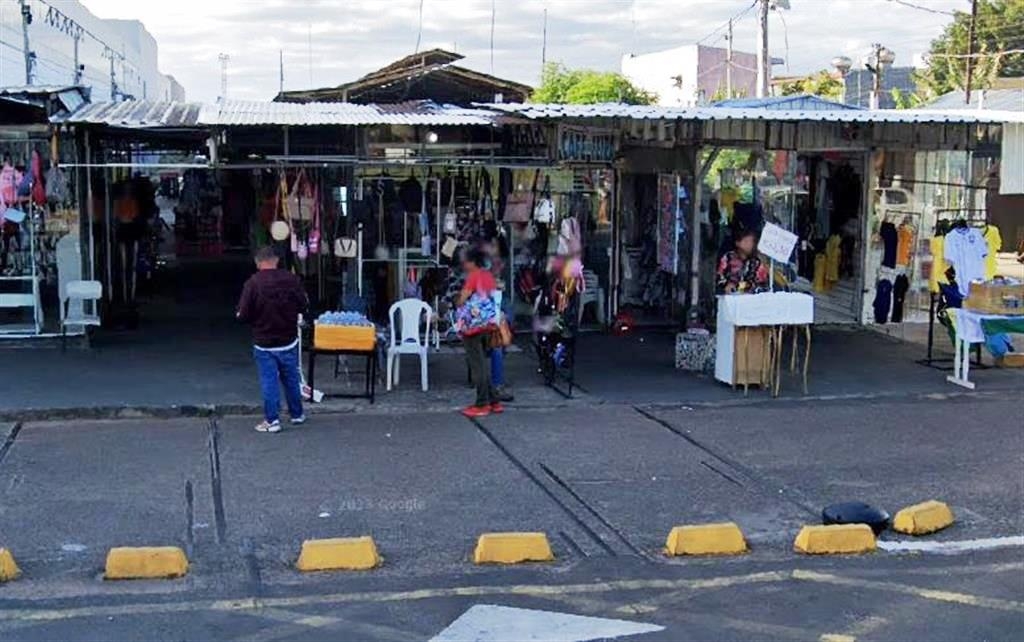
point(706, 539)
point(145, 562)
point(922, 519)
point(338, 554)
point(512, 548)
point(8, 567)
point(835, 539)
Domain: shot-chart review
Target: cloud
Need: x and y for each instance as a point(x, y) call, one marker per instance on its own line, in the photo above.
point(328, 42)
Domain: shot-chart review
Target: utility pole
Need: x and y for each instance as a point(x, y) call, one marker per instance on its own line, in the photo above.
point(728, 63)
point(763, 59)
point(223, 58)
point(26, 20)
point(78, 66)
point(280, 67)
point(970, 52)
point(544, 44)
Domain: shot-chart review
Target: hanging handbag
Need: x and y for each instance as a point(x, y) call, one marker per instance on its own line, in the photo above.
point(300, 199)
point(280, 230)
point(501, 336)
point(544, 210)
point(449, 248)
point(519, 204)
point(314, 234)
point(569, 237)
point(345, 248)
point(451, 217)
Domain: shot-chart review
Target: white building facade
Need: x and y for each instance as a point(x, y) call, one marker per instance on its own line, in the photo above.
point(124, 47)
point(692, 75)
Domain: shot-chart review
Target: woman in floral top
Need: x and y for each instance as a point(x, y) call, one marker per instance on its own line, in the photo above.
point(740, 270)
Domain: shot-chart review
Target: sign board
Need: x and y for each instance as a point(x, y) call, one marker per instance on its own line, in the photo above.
point(776, 243)
point(585, 144)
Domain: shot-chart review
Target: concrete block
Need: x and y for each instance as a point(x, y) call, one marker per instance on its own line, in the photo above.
point(8, 567)
point(921, 519)
point(706, 539)
point(145, 562)
point(837, 539)
point(512, 548)
point(338, 554)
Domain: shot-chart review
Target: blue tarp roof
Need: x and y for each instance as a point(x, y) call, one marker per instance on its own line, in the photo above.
point(803, 102)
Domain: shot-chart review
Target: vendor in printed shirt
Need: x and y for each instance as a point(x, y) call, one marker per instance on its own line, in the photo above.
point(740, 270)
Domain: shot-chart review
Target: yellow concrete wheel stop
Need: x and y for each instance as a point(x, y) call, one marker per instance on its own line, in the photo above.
point(706, 539)
point(921, 519)
point(8, 567)
point(512, 548)
point(835, 539)
point(145, 562)
point(338, 554)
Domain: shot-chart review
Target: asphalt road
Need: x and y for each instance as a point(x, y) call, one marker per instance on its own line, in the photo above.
point(605, 481)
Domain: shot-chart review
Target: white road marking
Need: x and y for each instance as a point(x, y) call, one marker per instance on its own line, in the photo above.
point(951, 548)
point(492, 623)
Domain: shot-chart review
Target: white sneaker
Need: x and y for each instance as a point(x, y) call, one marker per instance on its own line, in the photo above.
point(268, 426)
point(298, 421)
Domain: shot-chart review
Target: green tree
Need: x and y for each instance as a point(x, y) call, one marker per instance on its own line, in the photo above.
point(560, 84)
point(999, 27)
point(821, 84)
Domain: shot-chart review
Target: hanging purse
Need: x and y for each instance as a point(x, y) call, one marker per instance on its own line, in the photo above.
point(314, 234)
point(449, 248)
point(544, 210)
point(280, 230)
point(519, 204)
point(345, 248)
point(300, 199)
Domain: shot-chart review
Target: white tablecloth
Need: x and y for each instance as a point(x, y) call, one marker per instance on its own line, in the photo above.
point(767, 308)
point(968, 324)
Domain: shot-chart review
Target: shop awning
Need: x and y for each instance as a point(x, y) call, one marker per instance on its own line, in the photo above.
point(653, 112)
point(141, 114)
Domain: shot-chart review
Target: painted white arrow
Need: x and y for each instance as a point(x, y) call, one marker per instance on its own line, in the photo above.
point(491, 623)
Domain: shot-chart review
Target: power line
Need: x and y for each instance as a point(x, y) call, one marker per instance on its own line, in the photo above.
point(911, 5)
point(725, 25)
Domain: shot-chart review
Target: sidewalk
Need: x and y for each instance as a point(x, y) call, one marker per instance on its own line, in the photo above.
point(212, 368)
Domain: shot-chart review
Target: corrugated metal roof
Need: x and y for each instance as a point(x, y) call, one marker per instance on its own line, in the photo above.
point(997, 99)
point(799, 102)
point(242, 113)
point(136, 114)
point(71, 97)
point(654, 112)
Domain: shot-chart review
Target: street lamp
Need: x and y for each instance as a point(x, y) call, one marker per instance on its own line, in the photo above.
point(842, 64)
point(880, 58)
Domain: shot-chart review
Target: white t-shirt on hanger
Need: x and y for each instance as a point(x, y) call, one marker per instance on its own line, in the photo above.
point(965, 248)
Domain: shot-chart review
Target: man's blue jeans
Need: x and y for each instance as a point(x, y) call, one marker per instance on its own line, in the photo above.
point(279, 367)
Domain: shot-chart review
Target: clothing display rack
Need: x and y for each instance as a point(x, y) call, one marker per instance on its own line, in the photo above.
point(972, 217)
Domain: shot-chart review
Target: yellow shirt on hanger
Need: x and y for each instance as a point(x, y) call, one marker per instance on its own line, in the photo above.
point(905, 234)
point(833, 257)
point(939, 266)
point(995, 243)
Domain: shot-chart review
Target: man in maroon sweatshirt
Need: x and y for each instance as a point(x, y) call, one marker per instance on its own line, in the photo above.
point(271, 303)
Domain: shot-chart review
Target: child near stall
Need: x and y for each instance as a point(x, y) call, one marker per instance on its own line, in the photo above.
point(475, 320)
point(496, 250)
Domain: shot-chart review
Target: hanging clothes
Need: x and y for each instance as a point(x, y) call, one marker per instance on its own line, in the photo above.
point(995, 243)
point(819, 272)
point(905, 243)
point(890, 241)
point(966, 249)
point(883, 300)
point(899, 295)
point(938, 273)
point(833, 258)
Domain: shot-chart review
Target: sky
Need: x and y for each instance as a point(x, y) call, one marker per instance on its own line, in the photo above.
point(328, 42)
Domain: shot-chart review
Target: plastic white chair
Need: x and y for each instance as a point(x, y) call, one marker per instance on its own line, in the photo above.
point(409, 340)
point(80, 292)
point(592, 293)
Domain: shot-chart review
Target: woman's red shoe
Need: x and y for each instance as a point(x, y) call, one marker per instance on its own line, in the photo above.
point(476, 411)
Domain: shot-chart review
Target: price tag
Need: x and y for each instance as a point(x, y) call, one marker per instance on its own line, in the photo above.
point(777, 243)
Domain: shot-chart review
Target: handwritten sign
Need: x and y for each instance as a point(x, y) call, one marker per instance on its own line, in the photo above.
point(777, 243)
